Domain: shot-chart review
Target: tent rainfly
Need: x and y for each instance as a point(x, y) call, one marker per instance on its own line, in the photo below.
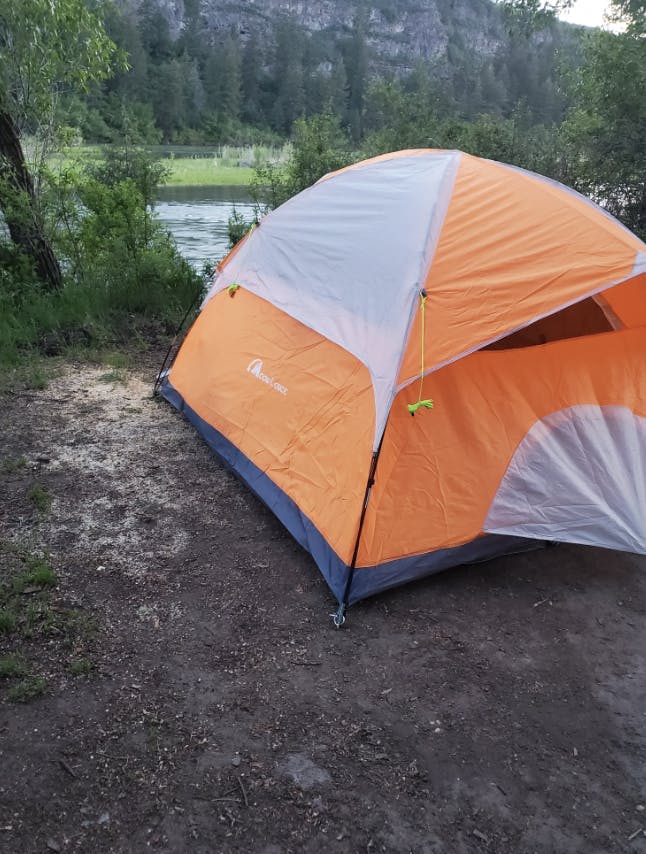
point(428, 359)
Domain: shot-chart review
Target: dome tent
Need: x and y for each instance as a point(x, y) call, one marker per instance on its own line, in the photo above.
point(428, 359)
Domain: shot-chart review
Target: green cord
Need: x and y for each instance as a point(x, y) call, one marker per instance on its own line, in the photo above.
point(232, 289)
point(421, 403)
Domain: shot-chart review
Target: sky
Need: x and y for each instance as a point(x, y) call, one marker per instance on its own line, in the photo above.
point(588, 12)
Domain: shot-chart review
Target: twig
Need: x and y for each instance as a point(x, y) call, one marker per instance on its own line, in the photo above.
point(635, 834)
point(244, 794)
point(64, 765)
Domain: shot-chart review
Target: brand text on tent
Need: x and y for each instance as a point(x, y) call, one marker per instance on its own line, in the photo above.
point(255, 369)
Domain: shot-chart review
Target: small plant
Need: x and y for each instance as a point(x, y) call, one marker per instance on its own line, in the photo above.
point(237, 227)
point(12, 665)
point(40, 497)
point(27, 689)
point(36, 378)
point(80, 667)
point(12, 464)
point(7, 621)
point(118, 361)
point(37, 573)
point(112, 377)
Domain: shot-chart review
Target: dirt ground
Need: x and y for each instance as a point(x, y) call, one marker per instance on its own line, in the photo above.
point(497, 708)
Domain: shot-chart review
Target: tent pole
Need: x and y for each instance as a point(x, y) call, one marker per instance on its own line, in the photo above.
point(338, 618)
point(158, 381)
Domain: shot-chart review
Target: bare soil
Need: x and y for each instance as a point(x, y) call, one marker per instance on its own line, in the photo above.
point(493, 708)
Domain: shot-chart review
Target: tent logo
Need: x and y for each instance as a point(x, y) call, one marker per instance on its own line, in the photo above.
point(255, 369)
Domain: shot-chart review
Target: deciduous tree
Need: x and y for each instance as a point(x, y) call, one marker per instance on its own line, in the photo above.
point(47, 47)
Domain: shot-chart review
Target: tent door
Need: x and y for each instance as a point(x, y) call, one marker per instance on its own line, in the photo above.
point(578, 476)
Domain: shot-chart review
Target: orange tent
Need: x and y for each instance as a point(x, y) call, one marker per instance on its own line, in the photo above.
point(427, 359)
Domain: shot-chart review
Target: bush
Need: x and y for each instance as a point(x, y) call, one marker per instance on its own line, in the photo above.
point(122, 268)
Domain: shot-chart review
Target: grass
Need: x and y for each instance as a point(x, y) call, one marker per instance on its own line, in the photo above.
point(29, 615)
point(205, 171)
point(36, 378)
point(113, 376)
point(38, 573)
point(12, 666)
point(7, 621)
point(208, 168)
point(27, 689)
point(23, 369)
point(10, 465)
point(40, 497)
point(80, 667)
point(118, 360)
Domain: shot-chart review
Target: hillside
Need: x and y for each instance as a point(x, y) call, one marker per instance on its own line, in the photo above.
point(215, 69)
point(398, 32)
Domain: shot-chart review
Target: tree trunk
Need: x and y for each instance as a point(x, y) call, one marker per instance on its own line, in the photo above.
point(25, 227)
point(641, 213)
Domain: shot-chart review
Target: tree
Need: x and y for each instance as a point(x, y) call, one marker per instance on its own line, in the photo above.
point(223, 78)
point(355, 55)
point(607, 128)
point(289, 103)
point(251, 71)
point(46, 48)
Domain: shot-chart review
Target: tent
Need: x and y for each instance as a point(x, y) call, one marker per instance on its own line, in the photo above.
point(428, 359)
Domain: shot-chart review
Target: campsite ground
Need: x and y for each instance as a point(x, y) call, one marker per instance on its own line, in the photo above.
point(194, 697)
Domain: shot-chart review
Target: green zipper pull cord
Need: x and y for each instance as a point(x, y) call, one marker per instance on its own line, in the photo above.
point(421, 403)
point(231, 290)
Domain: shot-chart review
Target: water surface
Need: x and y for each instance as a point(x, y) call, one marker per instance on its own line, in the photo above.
point(197, 218)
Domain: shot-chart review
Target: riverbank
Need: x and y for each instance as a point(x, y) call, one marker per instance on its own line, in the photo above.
point(205, 172)
point(190, 166)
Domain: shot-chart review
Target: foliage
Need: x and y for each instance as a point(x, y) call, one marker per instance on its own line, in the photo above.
point(122, 269)
point(40, 497)
point(319, 146)
point(607, 128)
point(27, 689)
point(237, 227)
point(206, 85)
point(46, 47)
point(12, 665)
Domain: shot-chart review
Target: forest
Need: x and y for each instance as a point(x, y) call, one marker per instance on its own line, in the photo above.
point(207, 84)
point(83, 259)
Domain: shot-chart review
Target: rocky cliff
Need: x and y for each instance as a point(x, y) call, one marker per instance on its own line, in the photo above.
point(399, 32)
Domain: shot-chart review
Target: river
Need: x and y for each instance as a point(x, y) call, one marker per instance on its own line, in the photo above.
point(197, 218)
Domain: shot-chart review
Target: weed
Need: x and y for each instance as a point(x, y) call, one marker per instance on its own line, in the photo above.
point(7, 621)
point(12, 464)
point(36, 573)
point(40, 575)
point(117, 360)
point(12, 665)
point(27, 689)
point(80, 666)
point(112, 377)
point(36, 378)
point(40, 497)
